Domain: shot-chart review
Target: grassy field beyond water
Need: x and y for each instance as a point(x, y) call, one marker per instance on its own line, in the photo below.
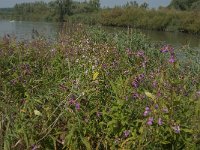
point(94, 90)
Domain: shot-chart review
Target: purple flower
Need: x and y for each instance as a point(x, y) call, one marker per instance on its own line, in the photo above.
point(126, 133)
point(77, 106)
point(172, 59)
point(147, 108)
point(72, 101)
point(135, 95)
point(176, 129)
point(141, 76)
point(156, 106)
point(160, 122)
point(140, 53)
point(164, 49)
point(146, 113)
point(150, 121)
point(135, 84)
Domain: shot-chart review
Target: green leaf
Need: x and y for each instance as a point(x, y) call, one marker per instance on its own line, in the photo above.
point(187, 130)
point(150, 95)
point(86, 143)
point(37, 113)
point(95, 75)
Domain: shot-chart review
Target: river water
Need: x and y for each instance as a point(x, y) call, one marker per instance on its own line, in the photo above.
point(26, 30)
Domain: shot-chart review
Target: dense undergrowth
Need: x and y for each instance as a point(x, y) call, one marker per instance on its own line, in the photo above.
point(94, 90)
point(163, 19)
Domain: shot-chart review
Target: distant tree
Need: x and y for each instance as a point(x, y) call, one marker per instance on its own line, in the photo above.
point(132, 4)
point(144, 5)
point(184, 4)
point(94, 4)
point(63, 8)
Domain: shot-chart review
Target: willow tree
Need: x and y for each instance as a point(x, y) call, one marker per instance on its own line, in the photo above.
point(64, 8)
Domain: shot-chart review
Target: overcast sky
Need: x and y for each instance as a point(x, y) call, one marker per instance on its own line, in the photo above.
point(110, 3)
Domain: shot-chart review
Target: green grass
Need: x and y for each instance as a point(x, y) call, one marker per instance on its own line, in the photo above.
point(79, 93)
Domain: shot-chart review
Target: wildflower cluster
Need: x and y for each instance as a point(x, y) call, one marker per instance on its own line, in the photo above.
point(169, 49)
point(81, 92)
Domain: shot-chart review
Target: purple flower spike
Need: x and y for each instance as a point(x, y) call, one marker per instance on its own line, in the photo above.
point(140, 53)
point(150, 121)
point(72, 101)
point(172, 59)
point(176, 129)
point(135, 95)
point(147, 108)
point(160, 122)
point(165, 49)
point(156, 106)
point(146, 113)
point(141, 76)
point(126, 133)
point(77, 106)
point(135, 84)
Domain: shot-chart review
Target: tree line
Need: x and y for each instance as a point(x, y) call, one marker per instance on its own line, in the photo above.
point(180, 15)
point(53, 11)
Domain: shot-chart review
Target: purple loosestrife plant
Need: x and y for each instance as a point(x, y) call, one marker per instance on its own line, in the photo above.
point(147, 111)
point(176, 129)
point(72, 101)
point(170, 49)
point(140, 53)
point(172, 59)
point(160, 122)
point(150, 121)
point(77, 106)
point(164, 49)
point(135, 84)
point(126, 133)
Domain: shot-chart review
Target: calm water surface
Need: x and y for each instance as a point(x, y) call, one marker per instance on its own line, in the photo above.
point(24, 30)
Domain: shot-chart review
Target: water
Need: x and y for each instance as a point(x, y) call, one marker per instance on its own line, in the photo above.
point(26, 30)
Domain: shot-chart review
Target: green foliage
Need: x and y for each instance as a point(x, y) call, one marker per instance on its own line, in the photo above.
point(96, 90)
point(185, 4)
point(163, 19)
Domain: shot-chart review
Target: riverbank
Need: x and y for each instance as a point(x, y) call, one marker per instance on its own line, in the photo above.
point(162, 19)
point(74, 94)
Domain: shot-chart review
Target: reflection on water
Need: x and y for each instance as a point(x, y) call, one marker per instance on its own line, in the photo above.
point(29, 30)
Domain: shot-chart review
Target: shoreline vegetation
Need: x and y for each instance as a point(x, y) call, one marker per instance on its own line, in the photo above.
point(74, 94)
point(175, 18)
point(91, 89)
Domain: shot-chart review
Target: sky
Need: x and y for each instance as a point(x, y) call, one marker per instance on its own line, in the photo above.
point(110, 3)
